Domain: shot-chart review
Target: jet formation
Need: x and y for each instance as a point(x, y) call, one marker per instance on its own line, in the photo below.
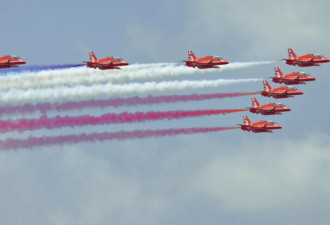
point(213, 62)
point(294, 78)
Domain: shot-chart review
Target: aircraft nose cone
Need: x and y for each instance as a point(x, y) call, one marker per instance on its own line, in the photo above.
point(277, 126)
point(300, 92)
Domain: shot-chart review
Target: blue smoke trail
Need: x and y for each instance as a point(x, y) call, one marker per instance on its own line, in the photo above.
point(36, 68)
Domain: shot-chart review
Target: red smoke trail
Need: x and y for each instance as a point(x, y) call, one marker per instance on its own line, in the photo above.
point(121, 135)
point(58, 121)
point(115, 102)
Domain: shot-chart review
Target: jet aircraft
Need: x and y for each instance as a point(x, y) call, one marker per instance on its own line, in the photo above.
point(263, 126)
point(311, 59)
point(8, 61)
point(291, 78)
point(105, 63)
point(268, 109)
point(280, 92)
point(204, 62)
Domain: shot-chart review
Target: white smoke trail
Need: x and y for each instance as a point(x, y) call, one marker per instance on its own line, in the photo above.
point(243, 65)
point(86, 76)
point(74, 71)
point(107, 90)
point(73, 76)
point(59, 77)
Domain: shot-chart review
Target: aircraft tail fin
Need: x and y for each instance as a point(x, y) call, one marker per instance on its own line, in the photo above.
point(191, 56)
point(92, 56)
point(278, 72)
point(255, 103)
point(291, 53)
point(246, 120)
point(267, 87)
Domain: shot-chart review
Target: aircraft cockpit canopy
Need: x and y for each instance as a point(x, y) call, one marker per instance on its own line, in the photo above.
point(117, 58)
point(303, 73)
point(216, 57)
point(14, 56)
point(279, 104)
point(291, 87)
point(269, 121)
point(317, 55)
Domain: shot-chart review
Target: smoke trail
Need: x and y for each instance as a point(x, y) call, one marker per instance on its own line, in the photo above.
point(87, 76)
point(110, 118)
point(59, 77)
point(243, 65)
point(121, 135)
point(108, 90)
point(115, 102)
point(36, 68)
point(70, 76)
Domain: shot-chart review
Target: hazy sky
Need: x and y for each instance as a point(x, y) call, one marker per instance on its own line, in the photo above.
point(230, 177)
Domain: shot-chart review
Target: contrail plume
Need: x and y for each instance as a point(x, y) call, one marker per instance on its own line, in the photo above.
point(110, 118)
point(93, 137)
point(108, 90)
point(114, 102)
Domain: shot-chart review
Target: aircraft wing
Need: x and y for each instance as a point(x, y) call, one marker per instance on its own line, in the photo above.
point(278, 95)
point(4, 61)
point(108, 63)
point(205, 62)
point(261, 129)
point(305, 60)
point(281, 92)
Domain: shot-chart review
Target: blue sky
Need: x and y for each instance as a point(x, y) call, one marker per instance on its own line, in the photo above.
point(230, 177)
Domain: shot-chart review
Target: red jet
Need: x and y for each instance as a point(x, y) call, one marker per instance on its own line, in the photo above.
point(260, 126)
point(205, 62)
point(291, 78)
point(311, 59)
point(268, 109)
point(8, 61)
point(280, 92)
point(106, 63)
